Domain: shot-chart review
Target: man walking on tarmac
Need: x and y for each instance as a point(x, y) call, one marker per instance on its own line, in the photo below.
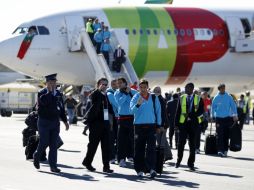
point(50, 109)
point(190, 108)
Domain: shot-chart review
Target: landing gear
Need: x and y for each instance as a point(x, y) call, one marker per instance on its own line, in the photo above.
point(5, 113)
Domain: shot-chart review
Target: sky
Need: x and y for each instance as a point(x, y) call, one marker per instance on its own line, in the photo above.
point(11, 16)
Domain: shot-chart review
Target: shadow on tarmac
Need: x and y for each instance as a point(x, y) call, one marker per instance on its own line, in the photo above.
point(217, 174)
point(72, 151)
point(241, 158)
point(71, 176)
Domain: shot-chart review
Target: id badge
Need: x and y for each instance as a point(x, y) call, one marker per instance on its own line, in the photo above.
point(105, 114)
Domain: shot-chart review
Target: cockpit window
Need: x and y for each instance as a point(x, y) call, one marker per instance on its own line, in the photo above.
point(43, 30)
point(20, 30)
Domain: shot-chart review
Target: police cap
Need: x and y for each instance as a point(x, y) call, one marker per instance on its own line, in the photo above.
point(51, 77)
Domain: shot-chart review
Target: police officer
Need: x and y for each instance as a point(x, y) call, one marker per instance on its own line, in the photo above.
point(190, 108)
point(50, 109)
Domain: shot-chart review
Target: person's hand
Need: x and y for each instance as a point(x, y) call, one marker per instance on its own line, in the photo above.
point(50, 87)
point(128, 89)
point(66, 126)
point(235, 118)
point(140, 100)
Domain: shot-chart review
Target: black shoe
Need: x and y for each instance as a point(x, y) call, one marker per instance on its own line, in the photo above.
point(55, 170)
point(36, 163)
point(88, 166)
point(107, 170)
point(168, 158)
point(192, 168)
point(43, 159)
point(177, 165)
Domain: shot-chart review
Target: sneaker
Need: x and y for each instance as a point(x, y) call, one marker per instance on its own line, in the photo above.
point(113, 161)
point(221, 154)
point(130, 159)
point(122, 163)
point(153, 173)
point(140, 174)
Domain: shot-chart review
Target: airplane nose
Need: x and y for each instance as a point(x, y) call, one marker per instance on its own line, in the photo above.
point(7, 53)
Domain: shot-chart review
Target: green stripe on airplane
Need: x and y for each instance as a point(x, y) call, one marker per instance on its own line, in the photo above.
point(158, 2)
point(145, 52)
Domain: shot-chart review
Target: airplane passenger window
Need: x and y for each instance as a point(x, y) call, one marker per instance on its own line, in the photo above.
point(141, 31)
point(134, 31)
point(148, 32)
point(127, 31)
point(169, 32)
point(43, 30)
point(189, 32)
point(202, 32)
point(195, 32)
point(215, 32)
point(208, 32)
point(221, 32)
point(155, 32)
point(176, 32)
point(182, 32)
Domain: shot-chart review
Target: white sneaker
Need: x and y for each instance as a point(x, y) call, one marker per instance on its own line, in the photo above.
point(152, 173)
point(140, 174)
point(122, 163)
point(113, 161)
point(130, 159)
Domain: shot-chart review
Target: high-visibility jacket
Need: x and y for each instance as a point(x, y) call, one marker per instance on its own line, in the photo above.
point(246, 105)
point(183, 102)
point(89, 27)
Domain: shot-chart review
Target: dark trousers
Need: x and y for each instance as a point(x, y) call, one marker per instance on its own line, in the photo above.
point(242, 119)
point(172, 131)
point(198, 137)
point(188, 130)
point(98, 47)
point(99, 133)
point(125, 139)
point(113, 139)
point(145, 155)
point(106, 56)
point(222, 130)
point(49, 134)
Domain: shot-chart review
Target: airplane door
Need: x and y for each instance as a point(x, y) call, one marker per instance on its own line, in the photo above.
point(235, 29)
point(74, 25)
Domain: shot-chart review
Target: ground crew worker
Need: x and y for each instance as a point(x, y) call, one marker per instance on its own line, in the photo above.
point(90, 30)
point(98, 121)
point(147, 121)
point(190, 107)
point(223, 109)
point(248, 106)
point(50, 109)
point(125, 139)
point(241, 110)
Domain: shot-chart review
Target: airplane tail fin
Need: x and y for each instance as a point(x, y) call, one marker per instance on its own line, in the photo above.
point(158, 1)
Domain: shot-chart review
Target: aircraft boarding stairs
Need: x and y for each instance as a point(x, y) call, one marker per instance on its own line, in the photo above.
point(245, 44)
point(79, 40)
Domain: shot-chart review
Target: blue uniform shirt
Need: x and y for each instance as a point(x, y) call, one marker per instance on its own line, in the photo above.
point(223, 106)
point(106, 47)
point(145, 114)
point(106, 35)
point(112, 101)
point(123, 101)
point(98, 37)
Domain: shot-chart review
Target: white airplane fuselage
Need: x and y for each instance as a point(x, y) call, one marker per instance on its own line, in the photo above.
point(169, 46)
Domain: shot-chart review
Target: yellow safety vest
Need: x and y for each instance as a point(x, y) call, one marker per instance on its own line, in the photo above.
point(183, 115)
point(89, 28)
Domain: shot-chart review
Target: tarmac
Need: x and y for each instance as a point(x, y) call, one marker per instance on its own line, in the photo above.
point(213, 172)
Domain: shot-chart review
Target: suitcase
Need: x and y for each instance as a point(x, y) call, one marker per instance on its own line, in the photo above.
point(210, 146)
point(235, 138)
point(159, 157)
point(27, 133)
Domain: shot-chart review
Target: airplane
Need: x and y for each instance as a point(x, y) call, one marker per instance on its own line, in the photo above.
point(7, 75)
point(168, 45)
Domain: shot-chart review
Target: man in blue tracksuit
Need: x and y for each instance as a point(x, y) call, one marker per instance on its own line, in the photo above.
point(125, 139)
point(147, 120)
point(113, 120)
point(225, 112)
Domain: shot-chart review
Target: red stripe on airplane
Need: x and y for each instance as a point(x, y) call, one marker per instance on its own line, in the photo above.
point(190, 50)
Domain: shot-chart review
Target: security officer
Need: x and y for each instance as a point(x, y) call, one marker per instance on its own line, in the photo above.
point(98, 121)
point(50, 109)
point(190, 108)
